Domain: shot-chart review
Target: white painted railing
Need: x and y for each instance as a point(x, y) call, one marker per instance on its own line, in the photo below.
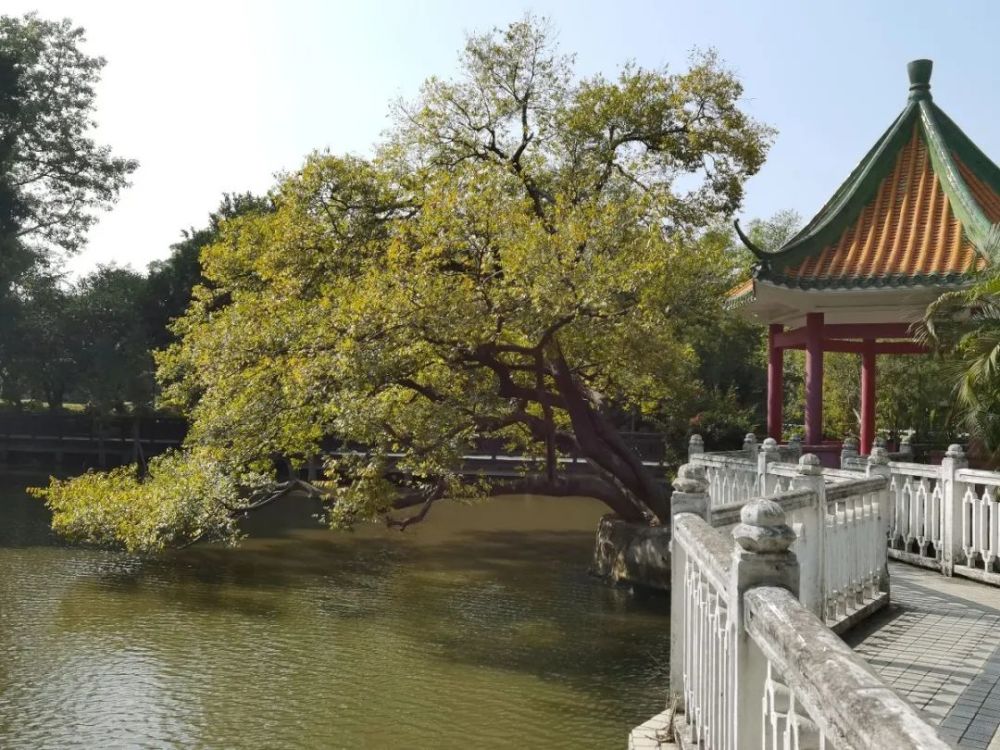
point(945, 517)
point(731, 475)
point(709, 650)
point(980, 518)
point(918, 508)
point(855, 561)
point(751, 663)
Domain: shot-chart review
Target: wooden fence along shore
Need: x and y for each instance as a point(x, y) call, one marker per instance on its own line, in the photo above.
point(77, 441)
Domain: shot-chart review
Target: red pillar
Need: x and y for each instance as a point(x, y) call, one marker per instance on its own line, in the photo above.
point(775, 383)
point(867, 397)
point(814, 378)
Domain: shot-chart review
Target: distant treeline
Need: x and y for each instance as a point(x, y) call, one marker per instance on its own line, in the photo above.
point(91, 341)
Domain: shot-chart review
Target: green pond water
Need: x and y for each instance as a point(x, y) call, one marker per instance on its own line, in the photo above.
point(477, 629)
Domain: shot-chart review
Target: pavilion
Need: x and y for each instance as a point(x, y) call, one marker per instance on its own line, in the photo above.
point(911, 222)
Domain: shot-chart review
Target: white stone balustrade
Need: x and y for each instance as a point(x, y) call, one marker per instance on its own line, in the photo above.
point(980, 513)
point(751, 663)
point(945, 517)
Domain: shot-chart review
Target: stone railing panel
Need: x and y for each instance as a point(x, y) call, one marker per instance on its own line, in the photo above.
point(856, 571)
point(980, 499)
point(916, 523)
point(824, 694)
point(731, 479)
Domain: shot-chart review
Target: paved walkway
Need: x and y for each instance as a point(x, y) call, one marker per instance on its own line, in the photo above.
point(938, 645)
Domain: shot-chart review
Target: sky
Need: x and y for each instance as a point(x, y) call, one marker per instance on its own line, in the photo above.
point(216, 96)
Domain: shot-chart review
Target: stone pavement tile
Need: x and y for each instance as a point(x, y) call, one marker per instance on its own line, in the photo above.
point(938, 645)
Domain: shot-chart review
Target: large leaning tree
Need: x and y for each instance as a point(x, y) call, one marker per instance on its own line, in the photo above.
point(521, 257)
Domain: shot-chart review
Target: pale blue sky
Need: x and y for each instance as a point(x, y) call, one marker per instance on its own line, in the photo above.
point(219, 96)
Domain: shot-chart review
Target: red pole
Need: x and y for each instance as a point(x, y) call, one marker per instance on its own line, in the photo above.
point(775, 383)
point(814, 378)
point(867, 397)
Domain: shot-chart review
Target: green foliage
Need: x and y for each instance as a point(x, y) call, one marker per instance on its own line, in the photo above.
point(516, 264)
point(964, 327)
point(170, 281)
point(54, 178)
point(917, 393)
point(92, 340)
point(54, 175)
point(184, 497)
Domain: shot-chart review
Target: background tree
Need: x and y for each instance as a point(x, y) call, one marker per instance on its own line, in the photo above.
point(113, 357)
point(40, 350)
point(964, 328)
point(53, 176)
point(523, 255)
point(170, 281)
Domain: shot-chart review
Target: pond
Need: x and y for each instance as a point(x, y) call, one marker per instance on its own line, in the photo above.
point(478, 628)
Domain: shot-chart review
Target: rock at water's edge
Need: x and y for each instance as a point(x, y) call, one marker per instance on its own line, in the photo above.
point(632, 553)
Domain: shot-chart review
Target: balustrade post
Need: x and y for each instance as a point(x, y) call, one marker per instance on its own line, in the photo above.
point(906, 447)
point(795, 443)
point(848, 451)
point(690, 496)
point(878, 466)
point(761, 557)
point(750, 445)
point(768, 452)
point(953, 509)
point(696, 446)
point(810, 536)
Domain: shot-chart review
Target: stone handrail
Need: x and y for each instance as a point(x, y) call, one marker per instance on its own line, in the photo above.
point(819, 676)
point(844, 520)
point(740, 673)
point(705, 548)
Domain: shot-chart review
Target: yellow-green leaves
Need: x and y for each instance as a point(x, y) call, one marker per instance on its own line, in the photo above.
point(186, 496)
point(516, 254)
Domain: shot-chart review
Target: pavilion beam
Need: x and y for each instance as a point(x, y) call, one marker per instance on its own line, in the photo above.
point(879, 347)
point(775, 383)
point(867, 397)
point(794, 339)
point(814, 378)
point(868, 330)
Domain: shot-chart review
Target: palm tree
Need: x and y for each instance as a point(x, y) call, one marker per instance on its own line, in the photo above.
point(963, 326)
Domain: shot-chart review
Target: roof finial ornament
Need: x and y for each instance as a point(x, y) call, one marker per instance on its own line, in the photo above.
point(920, 79)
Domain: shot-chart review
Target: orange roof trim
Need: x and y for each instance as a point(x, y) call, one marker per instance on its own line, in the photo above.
point(908, 229)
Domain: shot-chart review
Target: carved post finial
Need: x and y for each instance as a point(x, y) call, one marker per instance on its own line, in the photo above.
point(848, 451)
point(695, 445)
point(795, 443)
point(762, 528)
point(906, 445)
point(810, 465)
point(955, 451)
point(879, 456)
point(690, 491)
point(767, 453)
point(749, 441)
